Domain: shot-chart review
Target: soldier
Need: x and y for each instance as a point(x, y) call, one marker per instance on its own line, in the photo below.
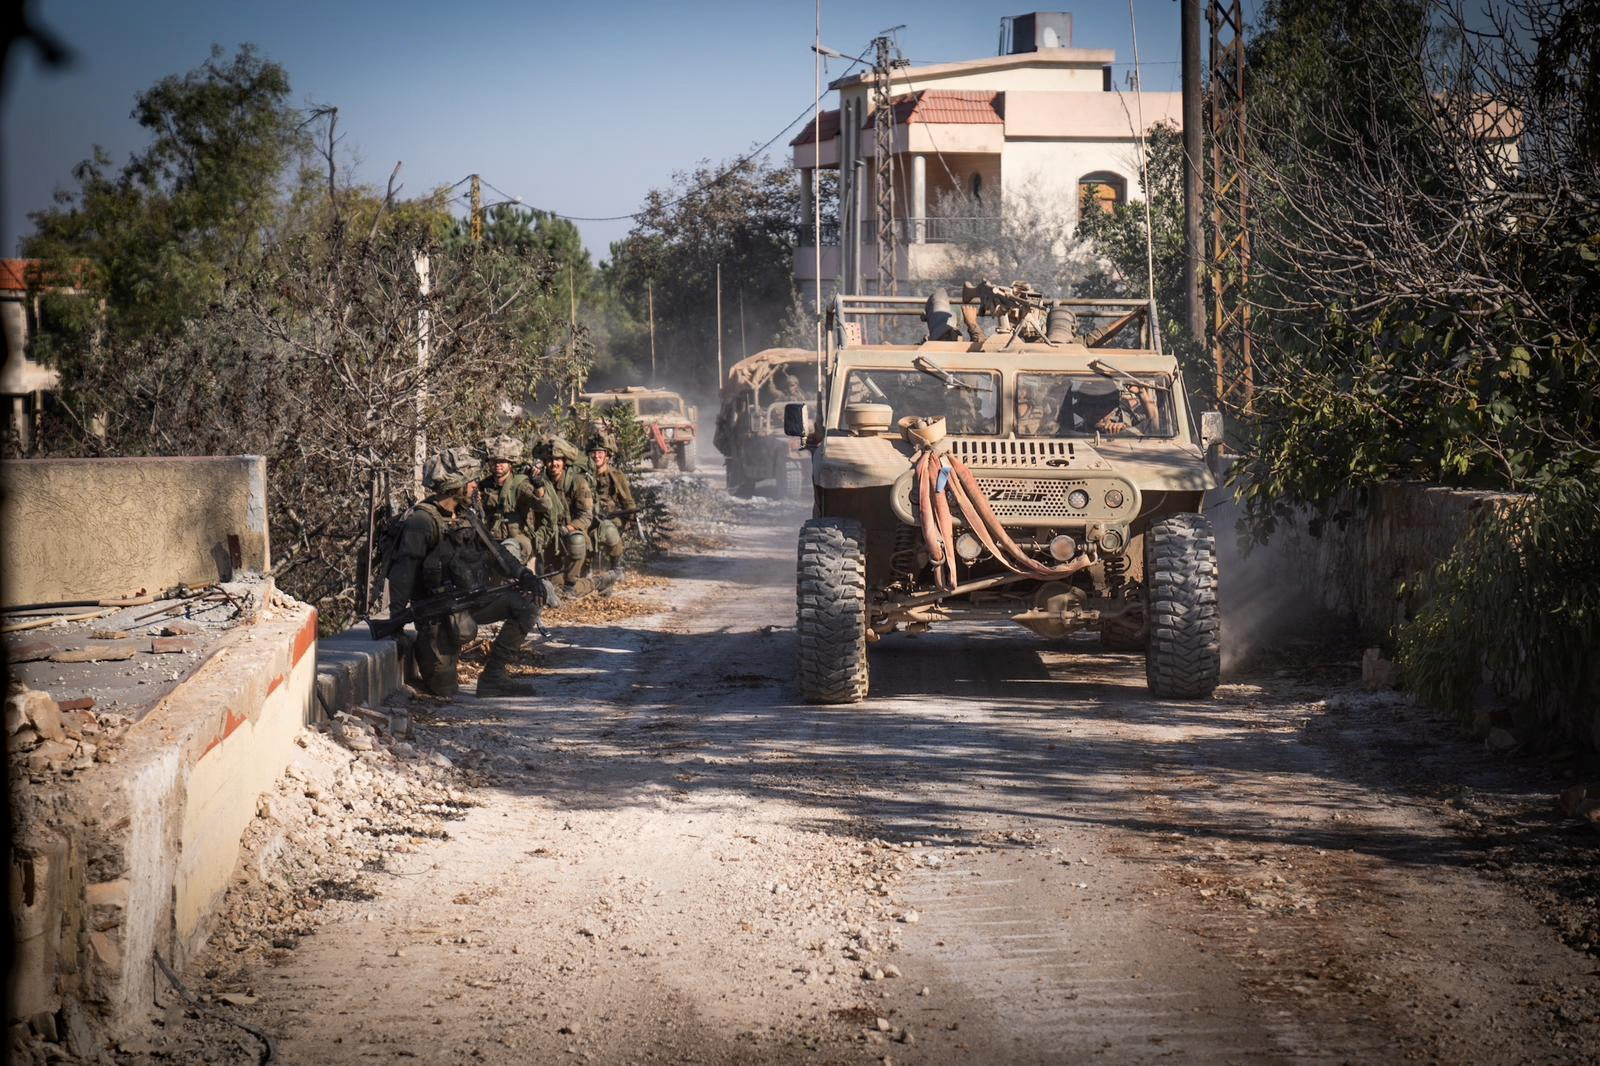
point(438, 554)
point(1030, 416)
point(577, 502)
point(546, 514)
point(612, 494)
point(508, 498)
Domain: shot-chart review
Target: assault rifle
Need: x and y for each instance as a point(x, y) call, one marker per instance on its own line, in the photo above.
point(431, 608)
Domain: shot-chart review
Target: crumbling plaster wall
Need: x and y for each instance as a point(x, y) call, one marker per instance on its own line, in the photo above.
point(132, 856)
point(88, 528)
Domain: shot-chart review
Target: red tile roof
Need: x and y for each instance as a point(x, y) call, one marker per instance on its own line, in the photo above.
point(830, 129)
point(950, 105)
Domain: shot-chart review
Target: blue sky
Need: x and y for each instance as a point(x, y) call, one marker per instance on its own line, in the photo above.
point(578, 108)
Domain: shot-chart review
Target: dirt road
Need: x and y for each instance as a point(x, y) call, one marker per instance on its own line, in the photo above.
point(1010, 853)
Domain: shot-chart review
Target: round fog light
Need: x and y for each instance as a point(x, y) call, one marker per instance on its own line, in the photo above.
point(1062, 548)
point(1111, 540)
point(1077, 499)
point(1114, 498)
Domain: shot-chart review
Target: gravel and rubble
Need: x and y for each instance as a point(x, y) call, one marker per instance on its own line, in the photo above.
point(126, 659)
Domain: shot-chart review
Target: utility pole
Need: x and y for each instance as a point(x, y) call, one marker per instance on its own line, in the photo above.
point(572, 328)
point(883, 145)
point(1193, 171)
point(424, 345)
point(744, 346)
point(719, 327)
point(1229, 254)
point(477, 209)
point(650, 294)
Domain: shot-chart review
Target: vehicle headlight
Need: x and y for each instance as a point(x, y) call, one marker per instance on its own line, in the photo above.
point(669, 432)
point(1078, 499)
point(1115, 498)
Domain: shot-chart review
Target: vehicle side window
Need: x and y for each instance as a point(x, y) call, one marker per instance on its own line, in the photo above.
point(1084, 405)
point(971, 408)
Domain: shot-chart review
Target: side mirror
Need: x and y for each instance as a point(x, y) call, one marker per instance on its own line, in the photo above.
point(1211, 430)
point(795, 420)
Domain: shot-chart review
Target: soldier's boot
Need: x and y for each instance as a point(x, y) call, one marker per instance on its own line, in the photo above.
point(496, 681)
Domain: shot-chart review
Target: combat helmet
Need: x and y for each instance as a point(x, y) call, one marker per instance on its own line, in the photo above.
point(601, 442)
point(503, 449)
point(447, 471)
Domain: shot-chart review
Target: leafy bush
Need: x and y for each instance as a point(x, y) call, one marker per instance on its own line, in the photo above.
point(1516, 602)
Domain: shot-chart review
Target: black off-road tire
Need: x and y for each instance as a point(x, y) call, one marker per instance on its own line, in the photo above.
point(685, 456)
point(831, 615)
point(659, 459)
point(1184, 658)
point(739, 483)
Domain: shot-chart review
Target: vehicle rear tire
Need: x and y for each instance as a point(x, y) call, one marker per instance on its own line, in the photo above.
point(739, 483)
point(1184, 658)
point(831, 611)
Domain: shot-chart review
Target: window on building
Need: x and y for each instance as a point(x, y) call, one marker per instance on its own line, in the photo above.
point(1101, 191)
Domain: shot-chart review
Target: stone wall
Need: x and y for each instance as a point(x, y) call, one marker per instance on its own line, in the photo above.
point(82, 529)
point(130, 857)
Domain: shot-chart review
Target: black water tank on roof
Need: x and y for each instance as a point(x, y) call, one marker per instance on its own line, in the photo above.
point(1040, 29)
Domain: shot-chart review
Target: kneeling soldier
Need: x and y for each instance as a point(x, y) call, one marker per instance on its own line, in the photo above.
point(439, 555)
point(613, 496)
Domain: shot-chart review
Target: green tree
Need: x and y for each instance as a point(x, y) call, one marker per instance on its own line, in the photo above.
point(161, 233)
point(742, 217)
point(1118, 239)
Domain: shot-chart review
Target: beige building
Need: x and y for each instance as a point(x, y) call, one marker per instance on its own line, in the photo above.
point(1042, 123)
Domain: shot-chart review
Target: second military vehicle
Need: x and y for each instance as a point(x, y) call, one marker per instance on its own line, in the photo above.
point(760, 459)
point(669, 422)
point(1017, 457)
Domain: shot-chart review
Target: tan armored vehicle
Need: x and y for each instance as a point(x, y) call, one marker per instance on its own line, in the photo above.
point(760, 459)
point(1011, 457)
point(669, 422)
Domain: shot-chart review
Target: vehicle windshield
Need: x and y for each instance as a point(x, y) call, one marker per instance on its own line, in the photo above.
point(972, 408)
point(1084, 405)
point(659, 405)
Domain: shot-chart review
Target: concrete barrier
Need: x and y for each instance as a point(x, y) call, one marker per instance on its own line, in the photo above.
point(131, 857)
point(101, 528)
point(353, 670)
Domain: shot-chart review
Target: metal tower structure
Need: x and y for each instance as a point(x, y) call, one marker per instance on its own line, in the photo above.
point(1228, 247)
point(883, 147)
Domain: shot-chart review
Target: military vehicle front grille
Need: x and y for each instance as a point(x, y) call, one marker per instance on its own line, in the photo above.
point(1002, 453)
point(1015, 498)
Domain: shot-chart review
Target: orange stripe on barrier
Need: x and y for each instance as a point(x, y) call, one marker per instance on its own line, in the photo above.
point(305, 638)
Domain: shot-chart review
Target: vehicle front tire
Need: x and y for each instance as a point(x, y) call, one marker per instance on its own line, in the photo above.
point(1184, 658)
point(685, 457)
point(831, 611)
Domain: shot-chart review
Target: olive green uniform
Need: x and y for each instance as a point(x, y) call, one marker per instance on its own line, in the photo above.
point(508, 511)
point(577, 504)
point(612, 494)
point(439, 553)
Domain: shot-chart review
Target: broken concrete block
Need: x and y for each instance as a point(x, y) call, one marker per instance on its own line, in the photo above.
point(114, 651)
point(82, 703)
point(51, 756)
point(23, 739)
point(106, 950)
point(179, 628)
point(1377, 672)
point(38, 710)
point(172, 645)
point(108, 634)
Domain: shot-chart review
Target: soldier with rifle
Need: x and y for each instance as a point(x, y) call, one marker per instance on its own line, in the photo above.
point(511, 501)
point(613, 500)
point(576, 492)
point(448, 576)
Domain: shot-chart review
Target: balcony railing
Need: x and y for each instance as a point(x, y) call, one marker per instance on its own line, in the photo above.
point(930, 230)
